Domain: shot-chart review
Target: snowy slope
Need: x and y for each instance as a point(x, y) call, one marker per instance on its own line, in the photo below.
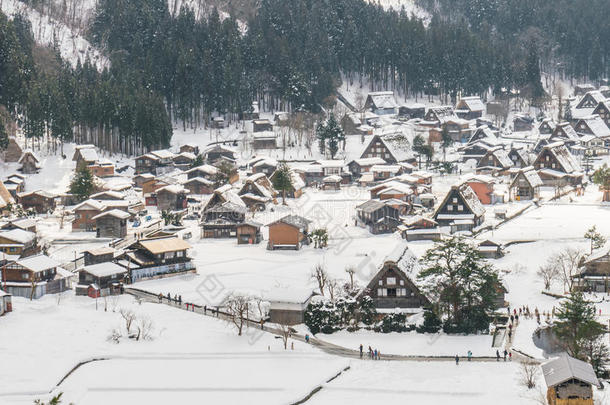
point(72, 44)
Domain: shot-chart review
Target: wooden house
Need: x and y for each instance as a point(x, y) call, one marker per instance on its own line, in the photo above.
point(264, 140)
point(332, 182)
point(440, 114)
point(591, 99)
point(393, 285)
point(594, 275)
point(289, 232)
point(199, 185)
point(13, 151)
point(519, 157)
point(249, 232)
point(140, 179)
point(158, 258)
point(485, 135)
point(102, 168)
point(6, 304)
point(411, 111)
point(257, 191)
point(264, 165)
point(603, 110)
point(569, 381)
point(525, 185)
point(85, 155)
point(219, 152)
point(546, 126)
point(495, 160)
point(460, 209)
point(419, 228)
point(565, 133)
point(25, 224)
point(99, 255)
point(522, 123)
point(381, 102)
point(111, 224)
point(6, 198)
point(253, 113)
point(378, 216)
point(35, 276)
point(203, 171)
point(581, 89)
point(557, 166)
point(483, 187)
point(29, 162)
point(470, 108)
point(171, 198)
point(218, 123)
point(84, 214)
point(490, 249)
point(593, 125)
point(262, 125)
point(101, 279)
point(40, 201)
point(224, 194)
point(183, 160)
point(221, 220)
point(18, 242)
point(358, 166)
point(459, 130)
point(392, 148)
point(288, 306)
point(190, 148)
point(155, 162)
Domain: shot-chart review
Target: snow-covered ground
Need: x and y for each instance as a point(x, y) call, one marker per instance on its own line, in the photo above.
point(190, 356)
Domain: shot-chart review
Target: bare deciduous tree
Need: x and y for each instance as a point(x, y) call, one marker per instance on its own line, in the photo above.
point(129, 316)
point(319, 274)
point(549, 273)
point(238, 308)
point(529, 373)
point(144, 328)
point(351, 271)
point(333, 286)
point(567, 262)
point(285, 329)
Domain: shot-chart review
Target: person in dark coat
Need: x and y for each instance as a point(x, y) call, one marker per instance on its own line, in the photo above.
point(505, 354)
point(307, 337)
point(497, 355)
point(457, 359)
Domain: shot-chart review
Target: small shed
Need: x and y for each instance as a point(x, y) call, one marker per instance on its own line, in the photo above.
point(262, 125)
point(289, 232)
point(111, 224)
point(249, 232)
point(287, 307)
point(29, 162)
point(490, 249)
point(569, 381)
point(6, 304)
point(332, 182)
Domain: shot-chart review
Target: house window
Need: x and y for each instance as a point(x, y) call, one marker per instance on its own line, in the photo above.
point(547, 158)
point(391, 281)
point(402, 282)
point(380, 282)
point(454, 200)
point(460, 207)
point(391, 292)
point(180, 254)
point(25, 276)
point(450, 207)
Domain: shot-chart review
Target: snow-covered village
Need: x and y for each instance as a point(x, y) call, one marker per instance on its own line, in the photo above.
point(304, 202)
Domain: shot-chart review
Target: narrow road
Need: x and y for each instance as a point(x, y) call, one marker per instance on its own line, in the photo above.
point(326, 347)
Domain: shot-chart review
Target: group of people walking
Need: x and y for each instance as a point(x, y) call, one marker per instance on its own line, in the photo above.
point(374, 354)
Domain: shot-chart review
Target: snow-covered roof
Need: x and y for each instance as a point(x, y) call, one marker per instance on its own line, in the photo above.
point(162, 245)
point(564, 157)
point(18, 235)
point(207, 169)
point(398, 145)
point(293, 220)
point(109, 193)
point(531, 176)
point(564, 130)
point(187, 155)
point(199, 180)
point(595, 123)
point(502, 156)
point(163, 154)
point(104, 269)
point(173, 189)
point(599, 253)
point(368, 161)
point(90, 205)
point(596, 95)
point(113, 213)
point(473, 103)
point(28, 152)
point(385, 168)
point(37, 263)
point(565, 368)
point(404, 259)
point(330, 163)
point(383, 99)
point(332, 179)
point(265, 161)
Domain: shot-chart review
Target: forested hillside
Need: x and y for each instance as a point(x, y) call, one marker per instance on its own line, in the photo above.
point(572, 35)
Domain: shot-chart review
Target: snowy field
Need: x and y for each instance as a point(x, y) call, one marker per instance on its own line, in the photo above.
point(413, 343)
point(429, 383)
point(189, 355)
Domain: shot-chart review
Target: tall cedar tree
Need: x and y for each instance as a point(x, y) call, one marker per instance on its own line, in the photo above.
point(282, 180)
point(329, 135)
point(82, 184)
point(461, 283)
point(576, 326)
point(3, 137)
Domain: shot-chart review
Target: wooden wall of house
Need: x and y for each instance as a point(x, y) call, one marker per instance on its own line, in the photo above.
point(283, 234)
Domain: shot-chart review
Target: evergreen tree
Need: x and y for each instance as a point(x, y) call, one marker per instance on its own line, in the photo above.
point(601, 177)
point(199, 161)
point(282, 180)
point(3, 137)
point(576, 326)
point(446, 141)
point(330, 134)
point(597, 239)
point(431, 324)
point(461, 283)
point(83, 183)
